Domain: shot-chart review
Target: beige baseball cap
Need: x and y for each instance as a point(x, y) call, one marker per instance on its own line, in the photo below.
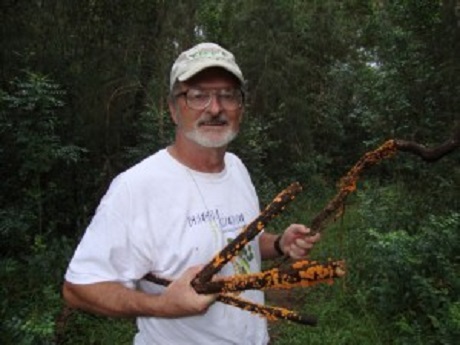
point(200, 57)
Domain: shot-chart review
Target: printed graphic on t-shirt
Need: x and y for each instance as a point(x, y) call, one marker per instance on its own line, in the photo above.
point(226, 223)
point(229, 226)
point(241, 262)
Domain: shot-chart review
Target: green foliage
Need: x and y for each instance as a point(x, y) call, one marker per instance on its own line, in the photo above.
point(33, 150)
point(154, 131)
point(418, 281)
point(344, 317)
point(401, 286)
point(252, 146)
point(377, 203)
point(28, 123)
point(31, 300)
point(83, 328)
point(338, 324)
point(327, 80)
point(409, 268)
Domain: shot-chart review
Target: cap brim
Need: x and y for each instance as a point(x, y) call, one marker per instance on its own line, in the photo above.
point(208, 64)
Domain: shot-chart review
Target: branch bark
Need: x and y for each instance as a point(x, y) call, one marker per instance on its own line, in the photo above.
point(347, 184)
point(301, 273)
point(431, 154)
point(271, 313)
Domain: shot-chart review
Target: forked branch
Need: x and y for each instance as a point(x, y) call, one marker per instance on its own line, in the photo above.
point(271, 313)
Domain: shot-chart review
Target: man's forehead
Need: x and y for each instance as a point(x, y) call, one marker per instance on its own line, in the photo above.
point(213, 75)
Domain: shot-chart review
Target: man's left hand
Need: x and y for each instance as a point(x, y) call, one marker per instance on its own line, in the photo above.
point(297, 242)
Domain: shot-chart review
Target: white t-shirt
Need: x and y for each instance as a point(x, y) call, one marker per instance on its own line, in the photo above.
point(161, 217)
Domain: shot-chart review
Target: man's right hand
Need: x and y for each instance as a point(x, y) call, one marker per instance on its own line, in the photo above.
point(181, 299)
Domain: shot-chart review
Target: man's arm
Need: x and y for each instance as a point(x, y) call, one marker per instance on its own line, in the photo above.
point(114, 299)
point(267, 246)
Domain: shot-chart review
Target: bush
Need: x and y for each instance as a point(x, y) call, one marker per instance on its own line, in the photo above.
point(412, 279)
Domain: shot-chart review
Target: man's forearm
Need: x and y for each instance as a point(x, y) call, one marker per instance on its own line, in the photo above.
point(114, 299)
point(111, 299)
point(267, 248)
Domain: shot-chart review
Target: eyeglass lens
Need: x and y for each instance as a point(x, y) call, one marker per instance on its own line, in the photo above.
point(201, 99)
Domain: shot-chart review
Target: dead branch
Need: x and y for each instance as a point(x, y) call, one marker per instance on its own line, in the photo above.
point(347, 184)
point(431, 154)
point(302, 273)
point(249, 232)
point(271, 313)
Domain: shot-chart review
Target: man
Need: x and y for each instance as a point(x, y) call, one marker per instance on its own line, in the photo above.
point(171, 213)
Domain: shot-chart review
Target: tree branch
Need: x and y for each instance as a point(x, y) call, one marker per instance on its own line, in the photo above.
point(431, 154)
point(271, 313)
point(301, 273)
point(347, 184)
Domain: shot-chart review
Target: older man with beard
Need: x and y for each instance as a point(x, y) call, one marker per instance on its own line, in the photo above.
point(172, 212)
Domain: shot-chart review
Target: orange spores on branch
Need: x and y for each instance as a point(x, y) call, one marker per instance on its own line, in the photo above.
point(300, 274)
point(270, 313)
point(347, 184)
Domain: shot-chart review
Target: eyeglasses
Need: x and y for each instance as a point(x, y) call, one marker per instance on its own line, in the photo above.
point(229, 99)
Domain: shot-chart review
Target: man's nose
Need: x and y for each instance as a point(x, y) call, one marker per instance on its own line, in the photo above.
point(215, 105)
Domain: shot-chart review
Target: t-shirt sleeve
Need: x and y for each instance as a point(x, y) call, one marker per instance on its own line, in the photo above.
point(108, 251)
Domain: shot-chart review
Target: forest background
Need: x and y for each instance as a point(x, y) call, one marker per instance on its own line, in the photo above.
point(83, 96)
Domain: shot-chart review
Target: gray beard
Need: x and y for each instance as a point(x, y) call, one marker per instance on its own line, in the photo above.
point(205, 141)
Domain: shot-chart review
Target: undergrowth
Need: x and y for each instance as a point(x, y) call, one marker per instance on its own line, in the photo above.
point(402, 284)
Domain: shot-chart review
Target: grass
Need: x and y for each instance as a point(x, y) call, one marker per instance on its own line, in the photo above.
point(88, 329)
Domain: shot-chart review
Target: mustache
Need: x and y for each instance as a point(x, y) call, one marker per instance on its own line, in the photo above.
point(210, 120)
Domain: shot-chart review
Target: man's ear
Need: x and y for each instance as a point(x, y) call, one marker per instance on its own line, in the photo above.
point(241, 116)
point(173, 110)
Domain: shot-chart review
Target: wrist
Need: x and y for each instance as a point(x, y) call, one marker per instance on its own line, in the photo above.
point(277, 246)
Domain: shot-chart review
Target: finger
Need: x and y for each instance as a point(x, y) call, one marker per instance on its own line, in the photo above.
point(304, 244)
point(314, 238)
point(296, 252)
point(300, 229)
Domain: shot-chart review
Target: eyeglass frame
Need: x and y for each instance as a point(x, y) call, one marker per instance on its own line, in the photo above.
point(212, 93)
